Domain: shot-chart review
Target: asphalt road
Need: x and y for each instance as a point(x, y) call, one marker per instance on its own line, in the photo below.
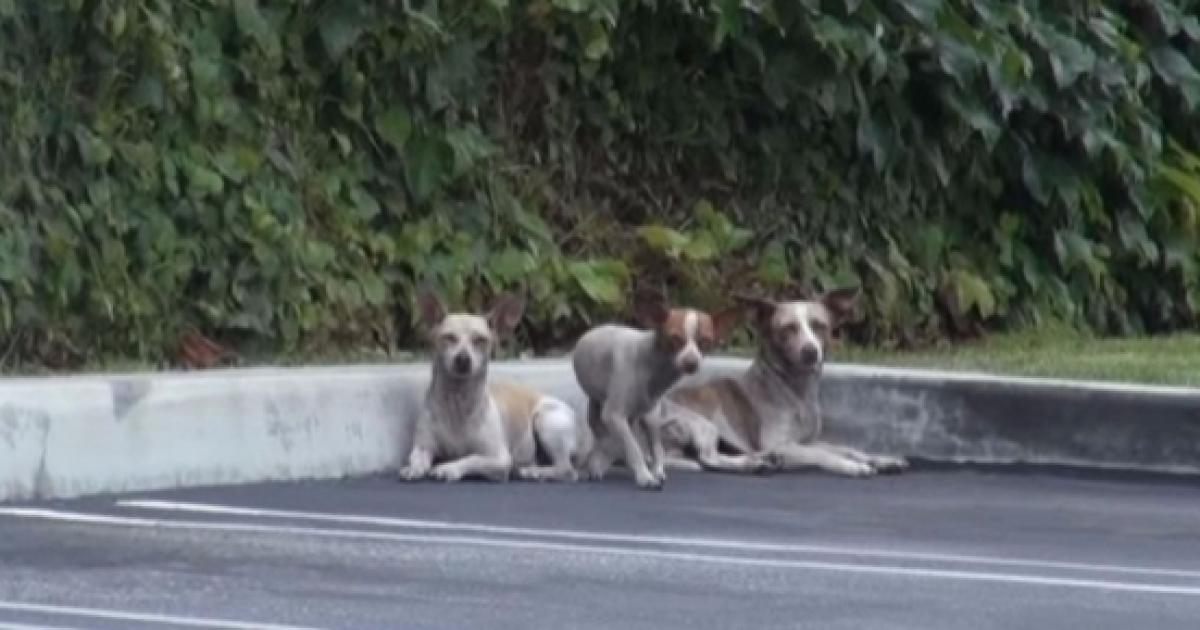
point(933, 549)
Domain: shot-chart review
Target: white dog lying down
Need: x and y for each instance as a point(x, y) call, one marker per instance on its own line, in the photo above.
point(473, 427)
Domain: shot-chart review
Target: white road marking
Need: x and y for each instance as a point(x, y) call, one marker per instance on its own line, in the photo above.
point(4, 625)
point(123, 615)
point(611, 550)
point(715, 544)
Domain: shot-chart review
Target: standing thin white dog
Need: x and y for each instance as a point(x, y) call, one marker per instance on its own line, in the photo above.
point(477, 428)
point(624, 372)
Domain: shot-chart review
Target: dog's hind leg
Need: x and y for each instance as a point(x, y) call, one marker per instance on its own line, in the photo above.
point(713, 459)
point(687, 428)
point(881, 463)
point(679, 462)
point(792, 455)
point(557, 430)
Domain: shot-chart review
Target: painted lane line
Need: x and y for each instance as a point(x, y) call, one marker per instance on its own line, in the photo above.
point(610, 550)
point(123, 615)
point(7, 625)
point(590, 536)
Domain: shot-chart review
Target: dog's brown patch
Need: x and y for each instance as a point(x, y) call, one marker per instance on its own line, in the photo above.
point(516, 402)
point(706, 331)
point(676, 322)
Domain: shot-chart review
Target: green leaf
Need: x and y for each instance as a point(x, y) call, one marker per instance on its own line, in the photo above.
point(924, 11)
point(971, 291)
point(374, 290)
point(1135, 237)
point(340, 27)
point(975, 116)
point(930, 242)
point(1073, 250)
point(1178, 72)
point(251, 22)
point(958, 60)
point(426, 166)
point(1186, 183)
point(469, 146)
point(237, 163)
point(663, 239)
point(597, 42)
point(700, 248)
point(729, 21)
point(511, 264)
point(601, 282)
point(394, 125)
point(203, 181)
point(1069, 57)
point(149, 92)
point(366, 205)
point(572, 6)
point(93, 149)
point(773, 266)
point(872, 139)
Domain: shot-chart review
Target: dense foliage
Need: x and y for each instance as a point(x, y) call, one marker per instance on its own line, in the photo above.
point(281, 174)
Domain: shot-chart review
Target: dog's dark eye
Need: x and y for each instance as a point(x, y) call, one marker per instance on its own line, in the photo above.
point(449, 339)
point(790, 329)
point(818, 326)
point(676, 341)
point(479, 340)
point(705, 343)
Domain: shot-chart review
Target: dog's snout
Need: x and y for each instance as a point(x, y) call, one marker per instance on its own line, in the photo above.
point(462, 362)
point(809, 354)
point(689, 364)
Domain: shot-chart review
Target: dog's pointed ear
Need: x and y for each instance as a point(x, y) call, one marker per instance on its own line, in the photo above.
point(650, 308)
point(506, 313)
point(430, 307)
point(841, 301)
point(761, 308)
point(725, 320)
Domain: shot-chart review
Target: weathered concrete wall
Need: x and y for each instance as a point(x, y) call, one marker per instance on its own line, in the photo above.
point(65, 437)
point(982, 419)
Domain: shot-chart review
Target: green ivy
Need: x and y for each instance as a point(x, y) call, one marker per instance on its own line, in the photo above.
point(282, 174)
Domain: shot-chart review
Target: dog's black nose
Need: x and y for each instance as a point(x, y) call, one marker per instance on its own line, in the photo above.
point(809, 355)
point(462, 363)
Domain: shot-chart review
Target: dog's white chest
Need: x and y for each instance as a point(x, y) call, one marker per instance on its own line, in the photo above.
point(804, 423)
point(457, 436)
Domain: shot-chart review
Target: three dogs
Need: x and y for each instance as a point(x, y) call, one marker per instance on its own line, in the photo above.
point(764, 419)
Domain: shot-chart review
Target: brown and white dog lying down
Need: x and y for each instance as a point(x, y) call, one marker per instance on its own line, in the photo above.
point(771, 411)
point(473, 426)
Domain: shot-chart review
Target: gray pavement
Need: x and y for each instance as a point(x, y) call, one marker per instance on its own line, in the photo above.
point(937, 548)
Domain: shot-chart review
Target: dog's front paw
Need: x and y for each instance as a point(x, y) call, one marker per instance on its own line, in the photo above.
point(539, 473)
point(532, 473)
point(855, 469)
point(446, 472)
point(885, 464)
point(593, 473)
point(595, 468)
point(660, 474)
point(412, 473)
point(648, 481)
point(765, 464)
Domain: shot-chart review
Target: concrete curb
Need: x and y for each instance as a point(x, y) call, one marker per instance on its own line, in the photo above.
point(71, 436)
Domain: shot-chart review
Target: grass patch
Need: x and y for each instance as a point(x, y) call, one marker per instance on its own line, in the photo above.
point(1058, 353)
point(1055, 352)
